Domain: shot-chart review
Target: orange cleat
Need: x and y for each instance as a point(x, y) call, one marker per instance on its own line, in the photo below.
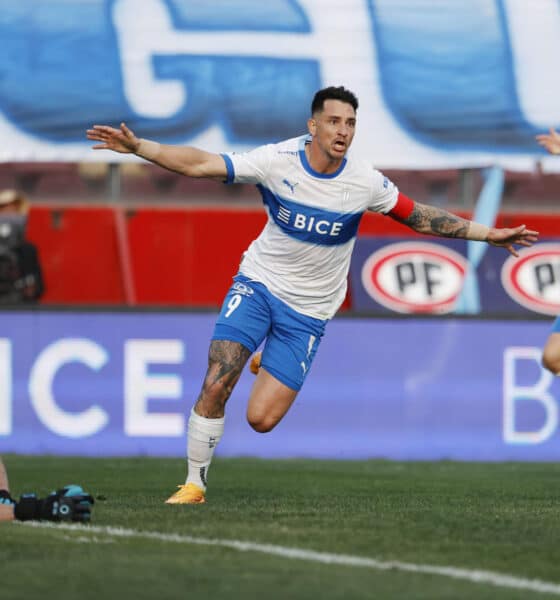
point(187, 494)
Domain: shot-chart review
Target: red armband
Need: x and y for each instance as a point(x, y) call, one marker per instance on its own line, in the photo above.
point(402, 208)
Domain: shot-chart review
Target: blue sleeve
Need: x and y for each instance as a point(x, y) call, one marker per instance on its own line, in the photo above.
point(229, 167)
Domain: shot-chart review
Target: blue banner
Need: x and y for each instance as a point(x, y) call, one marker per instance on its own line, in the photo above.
point(231, 74)
point(102, 384)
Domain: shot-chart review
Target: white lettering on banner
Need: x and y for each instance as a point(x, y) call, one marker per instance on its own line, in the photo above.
point(535, 46)
point(41, 378)
point(143, 34)
point(538, 392)
point(139, 386)
point(5, 386)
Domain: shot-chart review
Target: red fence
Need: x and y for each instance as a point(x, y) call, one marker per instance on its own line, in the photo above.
point(166, 256)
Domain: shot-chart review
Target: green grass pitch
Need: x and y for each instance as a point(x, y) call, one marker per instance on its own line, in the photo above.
point(500, 518)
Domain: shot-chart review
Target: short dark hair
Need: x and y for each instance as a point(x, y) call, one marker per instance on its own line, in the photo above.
point(333, 93)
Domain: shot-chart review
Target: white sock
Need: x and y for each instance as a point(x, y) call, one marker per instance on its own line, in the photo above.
point(203, 437)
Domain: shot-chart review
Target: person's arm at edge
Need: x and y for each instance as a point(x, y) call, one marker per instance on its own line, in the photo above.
point(185, 160)
point(550, 141)
point(6, 510)
point(431, 220)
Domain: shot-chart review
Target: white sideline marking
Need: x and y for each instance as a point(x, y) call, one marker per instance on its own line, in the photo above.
point(476, 576)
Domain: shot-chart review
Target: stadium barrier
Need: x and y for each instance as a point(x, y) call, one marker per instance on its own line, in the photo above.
point(169, 255)
point(121, 384)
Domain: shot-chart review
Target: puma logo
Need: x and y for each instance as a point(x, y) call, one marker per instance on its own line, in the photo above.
point(292, 186)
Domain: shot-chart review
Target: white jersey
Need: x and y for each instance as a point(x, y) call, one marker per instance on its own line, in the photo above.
point(303, 253)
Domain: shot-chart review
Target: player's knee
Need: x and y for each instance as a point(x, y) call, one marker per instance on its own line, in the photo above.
point(551, 361)
point(261, 423)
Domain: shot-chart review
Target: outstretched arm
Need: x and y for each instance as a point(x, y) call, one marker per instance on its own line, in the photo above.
point(185, 160)
point(550, 141)
point(436, 221)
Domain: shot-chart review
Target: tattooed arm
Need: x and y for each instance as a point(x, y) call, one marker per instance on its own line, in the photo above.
point(431, 220)
point(435, 221)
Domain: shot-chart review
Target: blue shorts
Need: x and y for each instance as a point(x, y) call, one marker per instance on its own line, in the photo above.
point(250, 314)
point(556, 325)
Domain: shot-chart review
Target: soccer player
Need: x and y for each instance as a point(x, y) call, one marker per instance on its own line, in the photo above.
point(70, 503)
point(551, 352)
point(293, 277)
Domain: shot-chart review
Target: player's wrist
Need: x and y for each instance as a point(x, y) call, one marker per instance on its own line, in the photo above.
point(28, 508)
point(478, 232)
point(148, 149)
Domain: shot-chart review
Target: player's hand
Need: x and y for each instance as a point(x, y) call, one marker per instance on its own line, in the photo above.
point(507, 237)
point(550, 141)
point(70, 503)
point(119, 140)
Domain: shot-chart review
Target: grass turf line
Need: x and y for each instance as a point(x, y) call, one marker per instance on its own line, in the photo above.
point(492, 517)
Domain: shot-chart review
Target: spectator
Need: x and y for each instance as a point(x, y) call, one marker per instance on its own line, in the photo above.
point(21, 278)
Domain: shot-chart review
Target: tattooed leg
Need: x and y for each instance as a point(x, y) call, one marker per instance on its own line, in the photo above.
point(225, 363)
point(226, 360)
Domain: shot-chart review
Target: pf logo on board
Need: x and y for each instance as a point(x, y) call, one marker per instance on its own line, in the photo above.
point(415, 277)
point(533, 279)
